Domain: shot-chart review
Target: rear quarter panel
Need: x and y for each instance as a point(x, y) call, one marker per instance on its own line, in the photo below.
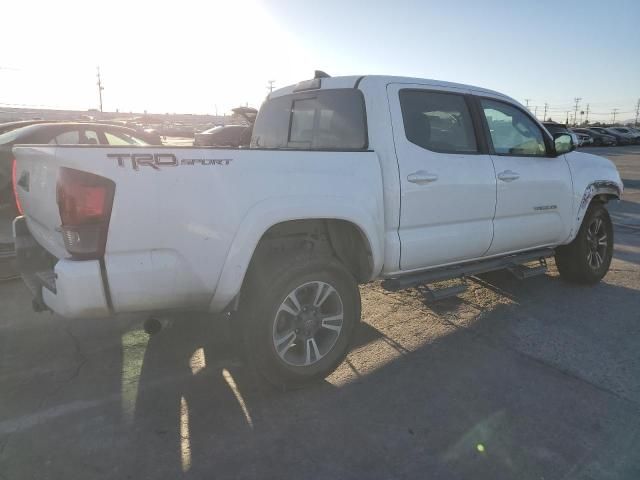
point(183, 235)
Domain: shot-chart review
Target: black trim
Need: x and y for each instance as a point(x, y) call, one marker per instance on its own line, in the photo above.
point(467, 102)
point(105, 285)
point(183, 147)
point(358, 81)
point(478, 124)
point(548, 141)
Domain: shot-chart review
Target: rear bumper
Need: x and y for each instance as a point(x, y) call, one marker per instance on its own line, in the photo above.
point(73, 289)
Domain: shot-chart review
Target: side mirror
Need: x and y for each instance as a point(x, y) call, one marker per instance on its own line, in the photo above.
point(563, 143)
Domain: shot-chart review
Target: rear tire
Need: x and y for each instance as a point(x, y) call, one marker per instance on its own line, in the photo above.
point(587, 258)
point(299, 315)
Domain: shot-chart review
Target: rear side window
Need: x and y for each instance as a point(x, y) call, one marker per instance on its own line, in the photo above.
point(121, 138)
point(71, 137)
point(438, 121)
point(318, 120)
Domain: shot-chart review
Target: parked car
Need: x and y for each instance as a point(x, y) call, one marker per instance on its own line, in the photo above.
point(634, 137)
point(147, 134)
point(8, 126)
point(233, 136)
point(599, 139)
point(584, 139)
point(557, 128)
point(58, 133)
point(326, 198)
point(621, 139)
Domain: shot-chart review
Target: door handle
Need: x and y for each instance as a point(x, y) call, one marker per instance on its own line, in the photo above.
point(508, 176)
point(422, 177)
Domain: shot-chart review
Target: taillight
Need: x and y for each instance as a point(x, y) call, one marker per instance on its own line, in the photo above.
point(14, 184)
point(84, 202)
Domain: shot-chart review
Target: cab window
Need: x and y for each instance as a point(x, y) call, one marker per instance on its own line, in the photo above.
point(512, 132)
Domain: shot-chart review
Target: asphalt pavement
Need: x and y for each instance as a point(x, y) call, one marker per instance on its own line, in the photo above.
point(533, 379)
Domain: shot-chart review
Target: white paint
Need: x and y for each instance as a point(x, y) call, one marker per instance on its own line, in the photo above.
point(183, 237)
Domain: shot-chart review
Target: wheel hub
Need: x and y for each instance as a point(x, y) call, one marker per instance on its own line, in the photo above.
point(597, 243)
point(308, 323)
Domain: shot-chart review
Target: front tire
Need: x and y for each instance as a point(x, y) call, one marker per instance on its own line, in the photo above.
point(587, 258)
point(299, 316)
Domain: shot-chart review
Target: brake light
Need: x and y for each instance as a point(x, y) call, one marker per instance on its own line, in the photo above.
point(84, 202)
point(14, 184)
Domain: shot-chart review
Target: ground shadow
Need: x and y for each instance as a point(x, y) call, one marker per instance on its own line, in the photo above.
point(475, 402)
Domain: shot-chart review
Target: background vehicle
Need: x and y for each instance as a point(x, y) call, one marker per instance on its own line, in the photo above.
point(621, 139)
point(584, 138)
point(224, 136)
point(8, 126)
point(431, 181)
point(598, 137)
point(58, 133)
point(633, 136)
point(558, 128)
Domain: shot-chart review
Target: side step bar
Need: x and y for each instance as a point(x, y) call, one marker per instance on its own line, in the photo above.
point(511, 262)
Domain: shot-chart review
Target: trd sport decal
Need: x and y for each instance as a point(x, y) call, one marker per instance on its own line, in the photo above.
point(161, 160)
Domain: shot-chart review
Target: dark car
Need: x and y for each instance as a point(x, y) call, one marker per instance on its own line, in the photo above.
point(224, 136)
point(629, 132)
point(620, 138)
point(598, 138)
point(557, 128)
point(59, 133)
point(8, 126)
point(147, 134)
point(234, 136)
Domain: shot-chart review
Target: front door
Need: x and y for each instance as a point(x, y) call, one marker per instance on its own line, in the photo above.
point(534, 187)
point(448, 185)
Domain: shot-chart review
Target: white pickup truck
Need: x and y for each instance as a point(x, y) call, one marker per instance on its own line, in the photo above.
point(347, 180)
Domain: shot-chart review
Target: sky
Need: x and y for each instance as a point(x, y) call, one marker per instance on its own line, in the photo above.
point(208, 56)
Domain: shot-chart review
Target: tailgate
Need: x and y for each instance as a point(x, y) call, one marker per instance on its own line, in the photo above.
point(36, 177)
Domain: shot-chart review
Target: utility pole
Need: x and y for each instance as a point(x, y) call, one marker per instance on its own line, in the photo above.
point(615, 110)
point(270, 86)
point(544, 117)
point(637, 113)
point(575, 115)
point(566, 122)
point(535, 111)
point(526, 101)
point(587, 119)
point(100, 89)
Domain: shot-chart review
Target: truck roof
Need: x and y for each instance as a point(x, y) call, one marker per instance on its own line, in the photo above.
point(351, 81)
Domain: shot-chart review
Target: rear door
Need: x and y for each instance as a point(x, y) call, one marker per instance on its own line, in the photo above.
point(447, 180)
point(535, 190)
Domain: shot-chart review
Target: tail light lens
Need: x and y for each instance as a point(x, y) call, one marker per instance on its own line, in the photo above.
point(14, 184)
point(84, 202)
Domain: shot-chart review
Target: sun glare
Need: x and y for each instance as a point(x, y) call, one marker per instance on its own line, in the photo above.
point(198, 57)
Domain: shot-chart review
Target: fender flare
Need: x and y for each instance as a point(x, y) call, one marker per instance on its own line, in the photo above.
point(264, 215)
point(599, 187)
